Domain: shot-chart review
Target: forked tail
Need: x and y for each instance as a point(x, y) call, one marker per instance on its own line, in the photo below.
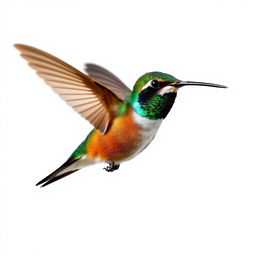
point(60, 173)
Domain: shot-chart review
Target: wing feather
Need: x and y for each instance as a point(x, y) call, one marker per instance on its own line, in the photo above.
point(92, 99)
point(109, 79)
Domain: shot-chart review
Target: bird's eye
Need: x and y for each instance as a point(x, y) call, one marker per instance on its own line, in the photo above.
point(155, 83)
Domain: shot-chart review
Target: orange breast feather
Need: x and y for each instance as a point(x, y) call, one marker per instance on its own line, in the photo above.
point(119, 143)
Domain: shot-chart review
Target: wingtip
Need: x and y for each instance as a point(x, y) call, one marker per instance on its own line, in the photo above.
point(24, 47)
point(103, 128)
point(18, 46)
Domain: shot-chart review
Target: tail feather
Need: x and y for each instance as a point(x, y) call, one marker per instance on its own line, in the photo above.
point(58, 177)
point(59, 173)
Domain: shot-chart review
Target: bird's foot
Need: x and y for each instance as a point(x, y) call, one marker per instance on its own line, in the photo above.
point(111, 166)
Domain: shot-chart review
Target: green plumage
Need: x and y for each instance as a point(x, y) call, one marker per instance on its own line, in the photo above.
point(82, 148)
point(158, 107)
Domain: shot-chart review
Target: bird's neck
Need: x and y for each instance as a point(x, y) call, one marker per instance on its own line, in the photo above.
point(156, 107)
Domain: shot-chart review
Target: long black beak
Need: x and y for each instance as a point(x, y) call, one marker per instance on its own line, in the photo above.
point(185, 83)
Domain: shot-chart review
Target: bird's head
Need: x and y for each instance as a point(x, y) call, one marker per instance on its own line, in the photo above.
point(154, 93)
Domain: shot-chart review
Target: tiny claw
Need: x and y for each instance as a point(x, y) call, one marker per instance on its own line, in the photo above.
point(112, 166)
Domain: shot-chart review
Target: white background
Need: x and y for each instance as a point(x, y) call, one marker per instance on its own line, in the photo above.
point(192, 192)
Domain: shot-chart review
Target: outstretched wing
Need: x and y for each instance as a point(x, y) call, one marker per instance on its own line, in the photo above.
point(91, 99)
point(106, 77)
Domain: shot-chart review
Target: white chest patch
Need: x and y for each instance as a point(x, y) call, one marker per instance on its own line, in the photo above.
point(149, 129)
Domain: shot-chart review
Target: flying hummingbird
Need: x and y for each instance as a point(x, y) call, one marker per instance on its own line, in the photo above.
point(125, 121)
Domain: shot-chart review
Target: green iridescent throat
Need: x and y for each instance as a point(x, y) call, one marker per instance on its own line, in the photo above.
point(157, 107)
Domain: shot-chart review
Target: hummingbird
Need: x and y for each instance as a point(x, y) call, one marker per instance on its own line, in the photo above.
point(125, 121)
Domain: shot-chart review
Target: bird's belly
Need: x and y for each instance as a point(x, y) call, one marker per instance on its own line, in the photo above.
point(127, 137)
point(145, 138)
point(148, 130)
